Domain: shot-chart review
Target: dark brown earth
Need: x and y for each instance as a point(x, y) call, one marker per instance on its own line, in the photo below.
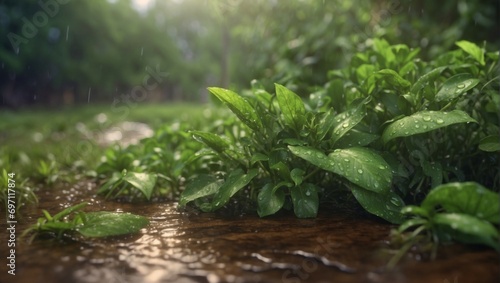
point(182, 246)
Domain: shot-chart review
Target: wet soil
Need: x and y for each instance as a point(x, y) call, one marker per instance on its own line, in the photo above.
point(187, 246)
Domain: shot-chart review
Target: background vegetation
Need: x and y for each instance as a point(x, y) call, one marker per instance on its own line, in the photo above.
point(73, 52)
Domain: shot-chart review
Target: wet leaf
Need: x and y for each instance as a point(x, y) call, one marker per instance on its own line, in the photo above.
point(427, 79)
point(305, 200)
point(68, 211)
point(456, 86)
point(359, 165)
point(473, 50)
point(211, 140)
point(104, 224)
point(386, 205)
point(270, 199)
point(415, 210)
point(345, 121)
point(239, 106)
point(356, 138)
point(144, 182)
point(467, 229)
point(394, 78)
point(490, 144)
point(234, 182)
point(297, 176)
point(201, 186)
point(292, 107)
point(422, 122)
point(468, 198)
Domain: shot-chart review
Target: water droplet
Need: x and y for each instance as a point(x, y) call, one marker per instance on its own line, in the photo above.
point(345, 125)
point(407, 133)
point(393, 133)
point(308, 193)
point(381, 167)
point(461, 86)
point(440, 121)
point(332, 163)
point(360, 171)
point(346, 160)
point(426, 118)
point(425, 126)
point(395, 201)
point(417, 126)
point(319, 155)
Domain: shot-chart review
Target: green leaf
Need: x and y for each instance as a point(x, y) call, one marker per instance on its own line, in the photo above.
point(455, 86)
point(239, 106)
point(324, 125)
point(433, 170)
point(292, 107)
point(359, 165)
point(68, 211)
point(234, 182)
point(282, 170)
point(394, 78)
point(386, 206)
point(422, 122)
point(412, 222)
point(305, 200)
point(490, 144)
point(426, 79)
point(199, 187)
point(104, 224)
point(415, 210)
point(297, 176)
point(270, 199)
point(144, 182)
point(211, 140)
point(468, 198)
point(347, 120)
point(356, 138)
point(467, 229)
point(473, 50)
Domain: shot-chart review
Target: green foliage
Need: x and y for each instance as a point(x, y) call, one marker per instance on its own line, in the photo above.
point(14, 192)
point(281, 157)
point(465, 212)
point(91, 224)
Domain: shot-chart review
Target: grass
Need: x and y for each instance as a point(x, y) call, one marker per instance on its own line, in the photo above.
point(39, 143)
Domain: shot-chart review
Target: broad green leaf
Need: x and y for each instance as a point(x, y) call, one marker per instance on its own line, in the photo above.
point(356, 138)
point(347, 120)
point(490, 144)
point(199, 187)
point(427, 79)
point(144, 182)
point(393, 78)
point(359, 165)
point(282, 170)
point(239, 106)
point(258, 157)
point(422, 122)
point(455, 86)
point(473, 50)
point(234, 182)
point(211, 140)
point(387, 205)
point(468, 198)
point(324, 125)
point(467, 229)
point(292, 107)
point(305, 200)
point(104, 224)
point(297, 176)
point(270, 199)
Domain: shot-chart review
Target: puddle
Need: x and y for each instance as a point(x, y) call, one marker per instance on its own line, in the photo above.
point(187, 246)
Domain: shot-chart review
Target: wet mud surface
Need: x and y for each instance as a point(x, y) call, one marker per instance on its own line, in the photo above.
point(187, 246)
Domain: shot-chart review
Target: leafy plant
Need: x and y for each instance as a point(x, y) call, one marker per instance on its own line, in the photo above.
point(465, 212)
point(287, 154)
point(21, 193)
point(91, 224)
point(122, 183)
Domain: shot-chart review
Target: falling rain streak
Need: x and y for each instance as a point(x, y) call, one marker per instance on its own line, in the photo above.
point(67, 32)
point(88, 97)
